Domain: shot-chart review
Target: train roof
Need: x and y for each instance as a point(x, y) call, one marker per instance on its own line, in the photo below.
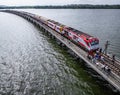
point(79, 32)
point(44, 18)
point(57, 23)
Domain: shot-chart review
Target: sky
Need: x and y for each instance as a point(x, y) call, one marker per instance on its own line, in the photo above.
point(56, 2)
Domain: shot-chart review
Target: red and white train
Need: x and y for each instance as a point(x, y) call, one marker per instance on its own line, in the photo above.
point(84, 40)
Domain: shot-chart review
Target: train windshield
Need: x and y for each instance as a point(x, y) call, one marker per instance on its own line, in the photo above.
point(94, 43)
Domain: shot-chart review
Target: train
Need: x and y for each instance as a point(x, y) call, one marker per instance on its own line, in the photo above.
point(83, 40)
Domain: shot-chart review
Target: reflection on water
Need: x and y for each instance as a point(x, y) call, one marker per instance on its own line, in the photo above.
point(31, 64)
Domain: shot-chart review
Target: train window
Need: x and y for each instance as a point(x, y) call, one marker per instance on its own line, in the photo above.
point(58, 28)
point(50, 24)
point(80, 40)
point(66, 32)
point(69, 34)
point(74, 37)
point(94, 43)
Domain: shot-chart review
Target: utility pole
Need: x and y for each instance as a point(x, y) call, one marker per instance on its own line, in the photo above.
point(106, 47)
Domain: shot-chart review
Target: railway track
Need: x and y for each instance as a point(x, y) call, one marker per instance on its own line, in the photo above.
point(114, 66)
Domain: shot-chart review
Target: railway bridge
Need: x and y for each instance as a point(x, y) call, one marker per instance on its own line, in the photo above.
point(113, 77)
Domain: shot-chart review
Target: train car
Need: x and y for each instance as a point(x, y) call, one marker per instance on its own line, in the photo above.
point(37, 17)
point(56, 26)
point(84, 40)
point(59, 28)
point(44, 20)
point(51, 24)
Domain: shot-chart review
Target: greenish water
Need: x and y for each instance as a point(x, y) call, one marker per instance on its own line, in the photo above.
point(33, 64)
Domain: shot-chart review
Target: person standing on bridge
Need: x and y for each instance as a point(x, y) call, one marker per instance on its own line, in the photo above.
point(113, 58)
point(100, 50)
point(102, 59)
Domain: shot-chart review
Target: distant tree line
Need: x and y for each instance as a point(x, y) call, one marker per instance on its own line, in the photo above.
point(72, 6)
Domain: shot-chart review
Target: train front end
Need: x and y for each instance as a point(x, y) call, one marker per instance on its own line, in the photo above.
point(93, 44)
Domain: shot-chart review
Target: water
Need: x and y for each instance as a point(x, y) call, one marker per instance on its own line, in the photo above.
point(33, 64)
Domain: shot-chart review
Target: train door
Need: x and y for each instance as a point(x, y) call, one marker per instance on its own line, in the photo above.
point(66, 33)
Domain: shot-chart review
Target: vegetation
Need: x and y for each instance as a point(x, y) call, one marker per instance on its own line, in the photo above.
point(72, 6)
